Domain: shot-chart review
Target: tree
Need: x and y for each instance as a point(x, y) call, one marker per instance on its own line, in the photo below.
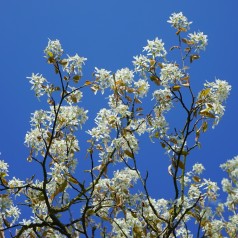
point(104, 202)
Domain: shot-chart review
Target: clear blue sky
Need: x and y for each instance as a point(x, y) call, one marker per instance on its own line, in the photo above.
point(109, 33)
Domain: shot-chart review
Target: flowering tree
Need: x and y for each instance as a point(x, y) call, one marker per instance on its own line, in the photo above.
point(107, 203)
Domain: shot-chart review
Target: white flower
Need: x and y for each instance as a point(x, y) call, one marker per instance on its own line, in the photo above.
point(141, 63)
point(128, 142)
point(142, 87)
point(74, 64)
point(214, 94)
point(158, 125)
point(35, 139)
point(199, 40)
point(71, 116)
point(220, 89)
point(170, 73)
point(155, 48)
point(139, 125)
point(179, 21)
point(3, 168)
point(226, 185)
point(37, 82)
point(74, 96)
point(13, 212)
point(163, 97)
point(198, 168)
point(14, 182)
point(211, 188)
point(53, 49)
point(193, 192)
point(103, 78)
point(123, 77)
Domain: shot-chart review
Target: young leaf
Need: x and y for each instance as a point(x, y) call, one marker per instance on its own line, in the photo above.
point(176, 87)
point(76, 78)
point(128, 153)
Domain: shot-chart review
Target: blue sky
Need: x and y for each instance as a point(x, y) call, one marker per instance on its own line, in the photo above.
point(109, 33)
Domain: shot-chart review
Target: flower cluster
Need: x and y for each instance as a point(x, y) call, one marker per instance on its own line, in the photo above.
point(53, 49)
point(179, 21)
point(74, 64)
point(155, 48)
point(212, 97)
point(199, 40)
point(38, 86)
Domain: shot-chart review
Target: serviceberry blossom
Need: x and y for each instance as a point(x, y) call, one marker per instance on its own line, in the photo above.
point(158, 124)
point(53, 49)
point(127, 142)
point(15, 182)
point(3, 168)
point(179, 21)
point(103, 78)
point(213, 96)
point(142, 87)
point(13, 212)
point(220, 89)
point(198, 168)
point(74, 65)
point(105, 120)
point(35, 139)
point(155, 48)
point(210, 188)
point(119, 107)
point(123, 77)
point(37, 81)
point(141, 63)
point(163, 98)
point(74, 95)
point(71, 116)
point(41, 118)
point(199, 40)
point(170, 74)
point(139, 125)
point(231, 166)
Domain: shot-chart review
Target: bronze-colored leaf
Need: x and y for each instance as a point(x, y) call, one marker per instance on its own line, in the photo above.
point(196, 179)
point(194, 57)
point(87, 83)
point(128, 153)
point(176, 87)
point(204, 126)
point(180, 164)
point(76, 78)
